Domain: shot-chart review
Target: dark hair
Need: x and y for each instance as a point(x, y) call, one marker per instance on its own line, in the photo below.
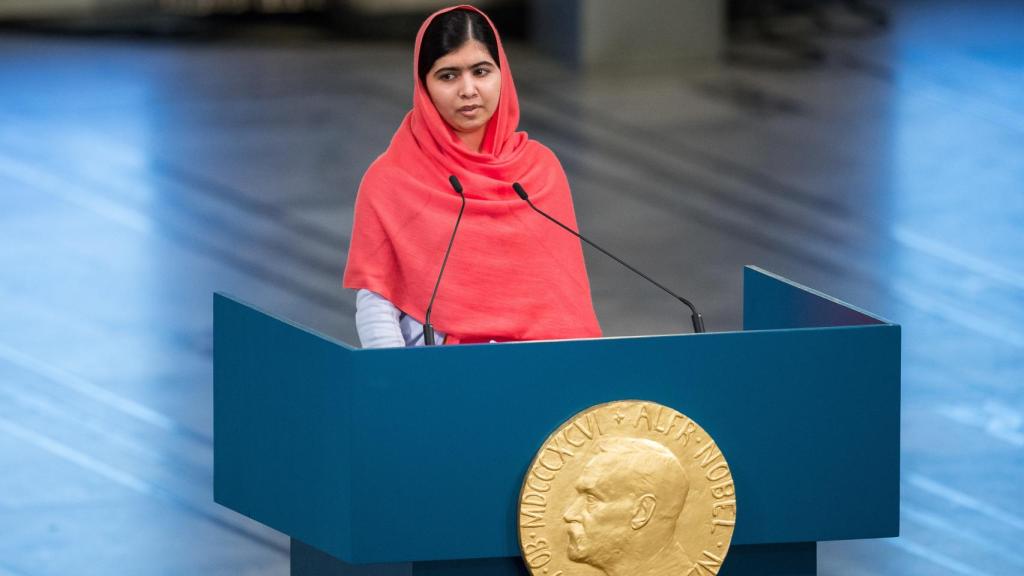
point(448, 32)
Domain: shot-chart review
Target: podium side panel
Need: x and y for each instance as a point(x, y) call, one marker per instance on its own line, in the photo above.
point(772, 302)
point(309, 561)
point(281, 420)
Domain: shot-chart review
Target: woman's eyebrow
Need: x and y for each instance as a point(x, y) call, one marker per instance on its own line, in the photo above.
point(457, 68)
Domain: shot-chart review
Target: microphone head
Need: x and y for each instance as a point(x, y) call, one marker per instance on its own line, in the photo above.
point(519, 190)
point(455, 183)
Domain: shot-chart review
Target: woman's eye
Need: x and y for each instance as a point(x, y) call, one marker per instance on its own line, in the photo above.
point(481, 71)
point(447, 76)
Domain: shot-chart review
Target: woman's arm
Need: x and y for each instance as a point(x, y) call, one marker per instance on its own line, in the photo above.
point(382, 325)
point(377, 321)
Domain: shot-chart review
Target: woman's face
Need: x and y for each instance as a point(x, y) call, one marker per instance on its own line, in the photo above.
point(465, 85)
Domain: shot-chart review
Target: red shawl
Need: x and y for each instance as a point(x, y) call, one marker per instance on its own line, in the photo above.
point(512, 275)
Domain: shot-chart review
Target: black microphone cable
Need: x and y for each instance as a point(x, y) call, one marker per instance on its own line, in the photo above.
point(698, 321)
point(428, 330)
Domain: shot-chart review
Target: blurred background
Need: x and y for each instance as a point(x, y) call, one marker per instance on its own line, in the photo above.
point(155, 151)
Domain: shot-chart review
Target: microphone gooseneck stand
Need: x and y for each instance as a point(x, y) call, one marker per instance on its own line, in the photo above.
point(428, 330)
point(698, 321)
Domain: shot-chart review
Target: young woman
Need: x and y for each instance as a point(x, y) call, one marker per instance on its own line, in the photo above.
point(512, 274)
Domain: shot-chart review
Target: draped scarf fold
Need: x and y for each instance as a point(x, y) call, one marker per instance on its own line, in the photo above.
point(512, 275)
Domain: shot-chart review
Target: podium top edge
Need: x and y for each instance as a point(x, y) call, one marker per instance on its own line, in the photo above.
point(222, 297)
point(740, 333)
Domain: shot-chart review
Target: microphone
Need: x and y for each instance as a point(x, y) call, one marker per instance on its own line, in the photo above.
point(428, 330)
point(698, 321)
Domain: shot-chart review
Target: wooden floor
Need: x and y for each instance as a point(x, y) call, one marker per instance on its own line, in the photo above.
point(138, 176)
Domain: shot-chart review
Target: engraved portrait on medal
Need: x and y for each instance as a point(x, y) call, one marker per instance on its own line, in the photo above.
point(627, 488)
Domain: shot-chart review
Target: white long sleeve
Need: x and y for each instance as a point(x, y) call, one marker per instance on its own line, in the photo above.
point(381, 324)
point(377, 321)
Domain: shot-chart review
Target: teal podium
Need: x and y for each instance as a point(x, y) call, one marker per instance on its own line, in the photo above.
point(410, 461)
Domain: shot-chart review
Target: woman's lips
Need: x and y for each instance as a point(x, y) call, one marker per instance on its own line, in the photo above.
point(469, 110)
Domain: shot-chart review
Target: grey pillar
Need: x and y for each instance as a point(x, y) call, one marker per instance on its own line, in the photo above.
point(636, 33)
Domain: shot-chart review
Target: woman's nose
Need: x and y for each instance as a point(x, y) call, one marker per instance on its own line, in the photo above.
point(467, 88)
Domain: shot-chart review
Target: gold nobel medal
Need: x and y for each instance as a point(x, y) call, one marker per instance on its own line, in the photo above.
point(628, 488)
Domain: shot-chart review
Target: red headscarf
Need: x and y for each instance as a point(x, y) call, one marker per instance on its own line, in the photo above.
point(512, 275)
